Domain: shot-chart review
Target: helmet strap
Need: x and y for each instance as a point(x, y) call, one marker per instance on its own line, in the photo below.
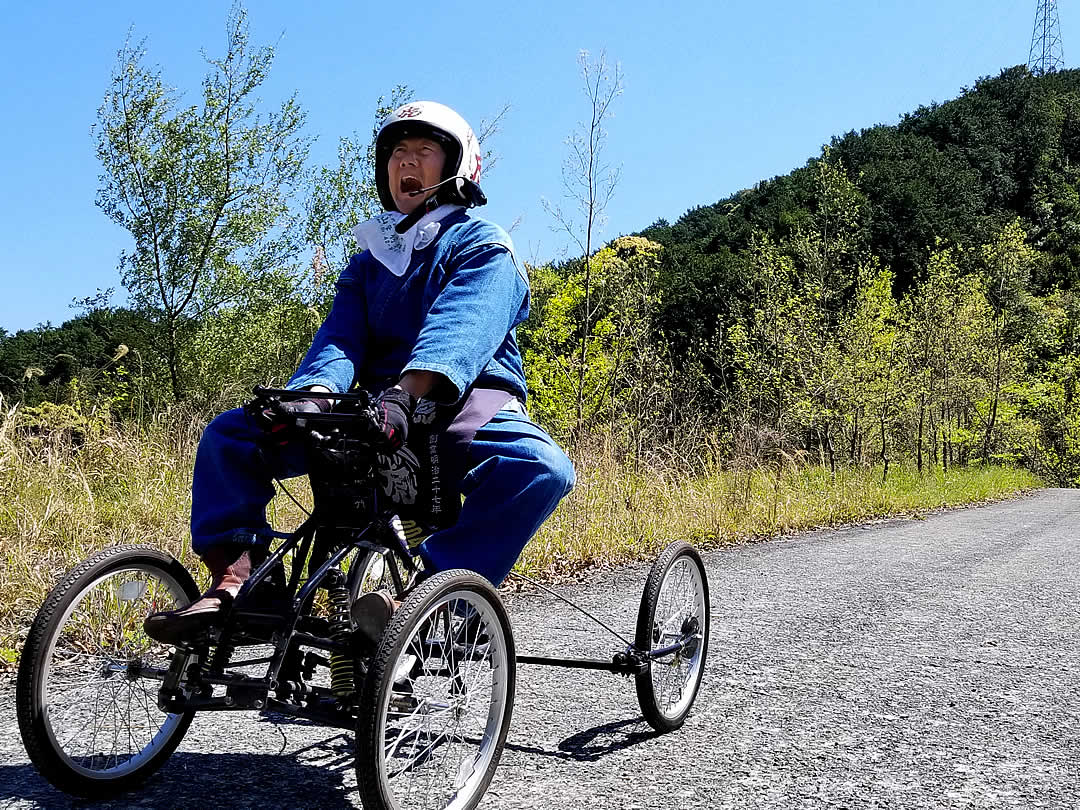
point(418, 213)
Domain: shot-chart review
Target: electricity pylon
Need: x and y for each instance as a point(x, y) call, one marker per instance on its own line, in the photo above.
point(1045, 55)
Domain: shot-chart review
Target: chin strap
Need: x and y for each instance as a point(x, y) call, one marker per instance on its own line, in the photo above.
point(467, 189)
point(429, 205)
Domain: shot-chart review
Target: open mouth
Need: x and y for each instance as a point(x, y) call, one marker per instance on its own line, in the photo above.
point(411, 185)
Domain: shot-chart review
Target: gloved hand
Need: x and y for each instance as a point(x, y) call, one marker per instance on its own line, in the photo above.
point(279, 425)
point(393, 411)
point(276, 420)
point(313, 404)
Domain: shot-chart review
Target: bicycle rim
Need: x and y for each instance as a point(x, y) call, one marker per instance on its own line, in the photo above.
point(680, 607)
point(442, 722)
point(102, 718)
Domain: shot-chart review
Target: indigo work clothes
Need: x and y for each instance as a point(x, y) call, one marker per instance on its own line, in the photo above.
point(518, 476)
point(453, 312)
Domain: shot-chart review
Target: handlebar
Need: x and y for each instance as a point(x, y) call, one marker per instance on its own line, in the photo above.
point(352, 427)
point(289, 395)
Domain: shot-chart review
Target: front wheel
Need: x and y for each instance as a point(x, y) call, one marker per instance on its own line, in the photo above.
point(437, 699)
point(89, 676)
point(674, 618)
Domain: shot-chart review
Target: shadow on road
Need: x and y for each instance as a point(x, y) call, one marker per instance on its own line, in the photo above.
point(212, 780)
point(594, 743)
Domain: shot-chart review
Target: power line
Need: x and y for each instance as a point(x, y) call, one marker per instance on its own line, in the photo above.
point(1045, 55)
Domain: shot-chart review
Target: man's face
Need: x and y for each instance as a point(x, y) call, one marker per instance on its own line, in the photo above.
point(415, 163)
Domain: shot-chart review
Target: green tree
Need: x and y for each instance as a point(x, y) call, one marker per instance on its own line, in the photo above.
point(828, 247)
point(1050, 399)
point(829, 240)
point(924, 317)
point(766, 344)
point(204, 190)
point(41, 364)
point(875, 384)
point(964, 356)
point(622, 379)
point(1008, 262)
point(260, 341)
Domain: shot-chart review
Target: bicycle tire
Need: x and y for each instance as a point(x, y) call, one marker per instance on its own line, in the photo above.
point(112, 621)
point(675, 599)
point(448, 649)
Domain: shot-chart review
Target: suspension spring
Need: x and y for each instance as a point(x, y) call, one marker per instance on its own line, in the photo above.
point(342, 665)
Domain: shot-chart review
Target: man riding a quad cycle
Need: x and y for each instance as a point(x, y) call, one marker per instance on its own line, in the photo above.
point(425, 313)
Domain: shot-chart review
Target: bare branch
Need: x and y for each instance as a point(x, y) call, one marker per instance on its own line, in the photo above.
point(590, 183)
point(517, 221)
point(489, 128)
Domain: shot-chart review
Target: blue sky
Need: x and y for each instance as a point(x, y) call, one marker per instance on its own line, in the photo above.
point(718, 95)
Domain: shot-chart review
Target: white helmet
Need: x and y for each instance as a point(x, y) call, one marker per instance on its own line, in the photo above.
point(429, 119)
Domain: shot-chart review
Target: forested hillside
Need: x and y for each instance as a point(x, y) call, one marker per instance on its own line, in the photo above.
point(909, 293)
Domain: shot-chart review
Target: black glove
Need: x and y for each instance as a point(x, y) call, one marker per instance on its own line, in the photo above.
point(393, 412)
point(279, 425)
point(295, 407)
point(275, 420)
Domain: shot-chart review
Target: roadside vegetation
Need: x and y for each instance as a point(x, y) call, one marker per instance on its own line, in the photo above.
point(72, 488)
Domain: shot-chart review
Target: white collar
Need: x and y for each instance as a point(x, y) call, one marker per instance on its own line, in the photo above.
point(392, 249)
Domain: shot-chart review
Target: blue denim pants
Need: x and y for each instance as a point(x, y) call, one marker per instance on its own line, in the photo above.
point(518, 475)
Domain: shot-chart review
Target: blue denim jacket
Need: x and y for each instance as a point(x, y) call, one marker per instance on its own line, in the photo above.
point(453, 312)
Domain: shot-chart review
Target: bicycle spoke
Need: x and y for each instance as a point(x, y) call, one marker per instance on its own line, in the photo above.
point(437, 749)
point(103, 718)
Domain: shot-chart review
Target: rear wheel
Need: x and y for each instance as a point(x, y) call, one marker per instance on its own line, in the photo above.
point(673, 616)
point(89, 676)
point(437, 700)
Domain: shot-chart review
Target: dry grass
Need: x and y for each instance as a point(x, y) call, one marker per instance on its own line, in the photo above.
point(62, 500)
point(617, 513)
point(59, 503)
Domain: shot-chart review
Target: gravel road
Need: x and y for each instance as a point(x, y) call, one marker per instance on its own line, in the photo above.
point(904, 664)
